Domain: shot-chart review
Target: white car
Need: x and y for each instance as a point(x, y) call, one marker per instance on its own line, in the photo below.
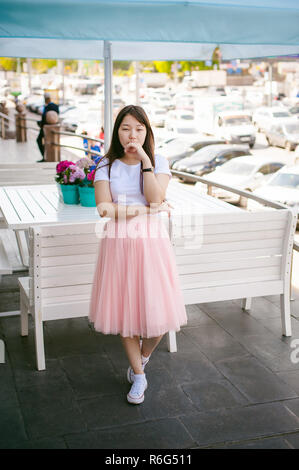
point(283, 187)
point(180, 119)
point(162, 101)
point(265, 117)
point(176, 148)
point(157, 116)
point(248, 173)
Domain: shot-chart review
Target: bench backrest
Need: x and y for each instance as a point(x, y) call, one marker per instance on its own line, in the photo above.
point(233, 253)
point(62, 263)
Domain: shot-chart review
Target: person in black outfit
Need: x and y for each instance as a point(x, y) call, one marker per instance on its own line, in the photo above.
point(49, 107)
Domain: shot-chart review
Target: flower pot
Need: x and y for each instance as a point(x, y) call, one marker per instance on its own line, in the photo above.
point(70, 193)
point(87, 196)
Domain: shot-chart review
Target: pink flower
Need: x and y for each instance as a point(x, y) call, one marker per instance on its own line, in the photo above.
point(62, 166)
point(85, 162)
point(91, 175)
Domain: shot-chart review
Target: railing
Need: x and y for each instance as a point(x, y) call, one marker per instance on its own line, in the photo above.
point(245, 194)
point(210, 184)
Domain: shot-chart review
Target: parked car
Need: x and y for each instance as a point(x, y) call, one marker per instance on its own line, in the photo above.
point(157, 117)
point(294, 110)
point(235, 127)
point(176, 148)
point(264, 117)
point(284, 134)
point(208, 158)
point(162, 101)
point(283, 187)
point(248, 173)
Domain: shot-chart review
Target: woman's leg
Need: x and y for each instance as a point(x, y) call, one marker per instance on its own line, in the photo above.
point(132, 348)
point(149, 345)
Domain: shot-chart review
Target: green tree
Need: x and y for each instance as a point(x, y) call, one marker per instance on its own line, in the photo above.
point(43, 65)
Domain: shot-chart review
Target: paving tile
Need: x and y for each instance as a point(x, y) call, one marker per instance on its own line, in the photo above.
point(223, 426)
point(293, 440)
point(212, 394)
point(293, 406)
point(70, 337)
point(291, 378)
point(196, 316)
point(92, 374)
point(54, 419)
point(214, 342)
point(254, 380)
point(268, 443)
point(46, 443)
point(275, 327)
point(270, 350)
point(166, 402)
point(105, 411)
point(189, 367)
point(231, 317)
point(166, 433)
point(262, 307)
point(12, 426)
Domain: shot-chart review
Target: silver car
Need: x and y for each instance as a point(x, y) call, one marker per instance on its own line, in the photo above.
point(284, 134)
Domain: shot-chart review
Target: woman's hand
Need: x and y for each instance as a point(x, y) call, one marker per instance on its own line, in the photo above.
point(136, 148)
point(163, 207)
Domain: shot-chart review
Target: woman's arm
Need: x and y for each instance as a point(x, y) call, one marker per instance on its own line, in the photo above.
point(107, 208)
point(155, 186)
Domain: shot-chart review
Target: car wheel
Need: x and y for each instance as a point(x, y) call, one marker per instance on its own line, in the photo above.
point(251, 145)
point(268, 140)
point(289, 146)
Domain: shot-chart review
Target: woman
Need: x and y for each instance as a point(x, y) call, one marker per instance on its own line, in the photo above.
point(136, 291)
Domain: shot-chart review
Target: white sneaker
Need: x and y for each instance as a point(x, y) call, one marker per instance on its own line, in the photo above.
point(130, 372)
point(136, 394)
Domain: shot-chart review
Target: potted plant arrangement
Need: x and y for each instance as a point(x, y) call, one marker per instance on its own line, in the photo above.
point(86, 188)
point(69, 176)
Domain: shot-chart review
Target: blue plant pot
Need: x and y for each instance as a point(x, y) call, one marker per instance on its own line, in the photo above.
point(70, 193)
point(87, 196)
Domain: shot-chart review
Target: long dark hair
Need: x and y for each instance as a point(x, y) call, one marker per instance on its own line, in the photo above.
point(116, 150)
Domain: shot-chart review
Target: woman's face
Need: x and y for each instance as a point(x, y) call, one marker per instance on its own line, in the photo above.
point(131, 130)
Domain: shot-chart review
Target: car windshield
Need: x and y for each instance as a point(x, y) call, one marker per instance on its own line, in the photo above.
point(279, 114)
point(187, 117)
point(205, 154)
point(292, 128)
point(237, 168)
point(287, 180)
point(187, 130)
point(160, 112)
point(175, 146)
point(237, 121)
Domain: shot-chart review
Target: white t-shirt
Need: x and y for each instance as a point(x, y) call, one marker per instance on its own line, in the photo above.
point(125, 179)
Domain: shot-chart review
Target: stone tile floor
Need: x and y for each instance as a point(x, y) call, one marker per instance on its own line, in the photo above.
point(231, 384)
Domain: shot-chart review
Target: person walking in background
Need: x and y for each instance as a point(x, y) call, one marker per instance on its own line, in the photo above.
point(102, 137)
point(136, 291)
point(49, 106)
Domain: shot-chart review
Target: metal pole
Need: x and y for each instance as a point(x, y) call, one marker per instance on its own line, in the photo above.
point(29, 75)
point(108, 94)
point(63, 87)
point(270, 84)
point(137, 82)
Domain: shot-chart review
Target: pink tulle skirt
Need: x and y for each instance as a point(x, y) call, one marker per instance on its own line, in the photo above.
point(136, 288)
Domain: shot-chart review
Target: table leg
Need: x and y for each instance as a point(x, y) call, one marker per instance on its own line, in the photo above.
point(23, 247)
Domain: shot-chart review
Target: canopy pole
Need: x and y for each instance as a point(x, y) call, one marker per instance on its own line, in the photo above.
point(108, 75)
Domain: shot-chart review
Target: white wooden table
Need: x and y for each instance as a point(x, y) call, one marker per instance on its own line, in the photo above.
point(25, 206)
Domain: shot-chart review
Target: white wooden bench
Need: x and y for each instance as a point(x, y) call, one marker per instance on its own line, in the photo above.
point(236, 256)
point(233, 256)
